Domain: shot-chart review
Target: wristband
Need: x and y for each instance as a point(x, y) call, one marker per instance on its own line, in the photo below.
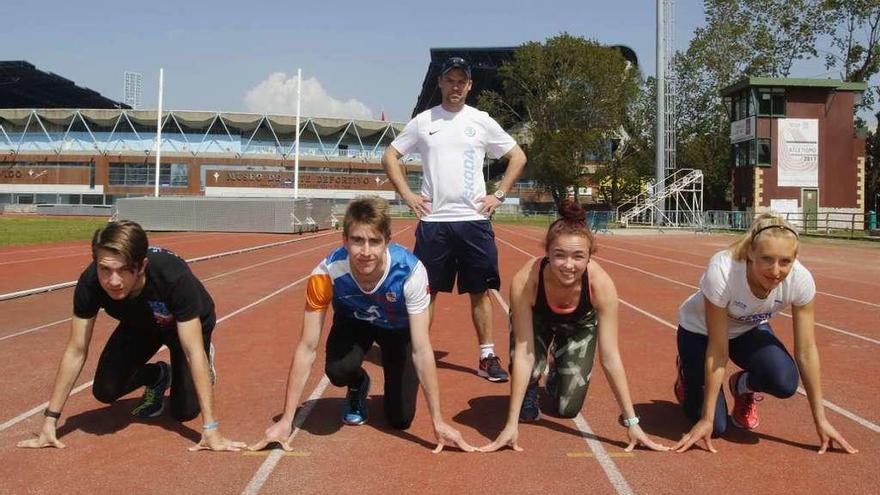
point(213, 425)
point(51, 414)
point(629, 421)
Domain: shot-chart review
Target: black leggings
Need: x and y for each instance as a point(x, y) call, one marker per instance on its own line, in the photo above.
point(122, 367)
point(771, 369)
point(348, 343)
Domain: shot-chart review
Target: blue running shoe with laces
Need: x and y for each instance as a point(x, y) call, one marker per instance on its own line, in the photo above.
point(354, 410)
point(530, 412)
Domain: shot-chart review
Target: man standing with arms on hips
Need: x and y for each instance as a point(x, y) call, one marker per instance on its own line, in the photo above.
point(454, 237)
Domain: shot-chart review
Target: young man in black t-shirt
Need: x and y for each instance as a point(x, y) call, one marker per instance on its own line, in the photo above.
point(158, 301)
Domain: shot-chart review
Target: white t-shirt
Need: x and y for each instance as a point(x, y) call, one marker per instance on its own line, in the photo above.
point(724, 284)
point(453, 146)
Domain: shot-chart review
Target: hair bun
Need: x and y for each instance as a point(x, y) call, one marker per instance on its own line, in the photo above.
point(572, 211)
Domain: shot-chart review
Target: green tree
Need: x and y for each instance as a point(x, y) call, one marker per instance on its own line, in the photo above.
point(632, 159)
point(855, 43)
point(569, 96)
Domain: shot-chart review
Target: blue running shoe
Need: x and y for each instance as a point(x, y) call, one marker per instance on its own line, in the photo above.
point(153, 401)
point(354, 411)
point(530, 411)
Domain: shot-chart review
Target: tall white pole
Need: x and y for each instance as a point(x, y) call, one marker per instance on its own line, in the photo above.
point(661, 103)
point(299, 79)
point(159, 130)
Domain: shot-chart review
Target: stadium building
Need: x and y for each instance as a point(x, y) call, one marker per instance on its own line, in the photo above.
point(65, 144)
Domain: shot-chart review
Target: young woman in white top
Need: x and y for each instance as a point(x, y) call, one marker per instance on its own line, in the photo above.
point(728, 317)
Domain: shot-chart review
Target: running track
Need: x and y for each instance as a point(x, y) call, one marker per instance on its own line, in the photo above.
point(259, 300)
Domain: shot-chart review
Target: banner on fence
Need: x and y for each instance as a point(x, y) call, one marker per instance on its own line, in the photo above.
point(798, 153)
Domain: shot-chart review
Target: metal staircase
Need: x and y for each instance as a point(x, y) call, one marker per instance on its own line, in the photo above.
point(679, 205)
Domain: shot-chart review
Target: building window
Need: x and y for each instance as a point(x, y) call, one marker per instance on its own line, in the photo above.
point(763, 152)
point(771, 102)
point(743, 153)
point(141, 174)
point(92, 199)
point(47, 199)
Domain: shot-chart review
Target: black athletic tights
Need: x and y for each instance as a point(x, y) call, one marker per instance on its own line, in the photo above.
point(122, 368)
point(348, 343)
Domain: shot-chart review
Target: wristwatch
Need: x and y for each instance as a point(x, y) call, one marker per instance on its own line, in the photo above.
point(499, 195)
point(629, 421)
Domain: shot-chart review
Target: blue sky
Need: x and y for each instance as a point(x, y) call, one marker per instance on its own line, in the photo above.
point(357, 58)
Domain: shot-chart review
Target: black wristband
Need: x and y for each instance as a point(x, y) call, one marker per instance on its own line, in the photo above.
point(51, 414)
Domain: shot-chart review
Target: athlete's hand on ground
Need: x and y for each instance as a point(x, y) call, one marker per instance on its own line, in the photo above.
point(490, 203)
point(829, 436)
point(638, 437)
point(213, 440)
point(447, 435)
point(702, 430)
point(418, 204)
point(279, 432)
point(507, 438)
point(46, 438)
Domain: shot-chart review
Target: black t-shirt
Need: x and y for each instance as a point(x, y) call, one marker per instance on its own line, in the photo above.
point(171, 293)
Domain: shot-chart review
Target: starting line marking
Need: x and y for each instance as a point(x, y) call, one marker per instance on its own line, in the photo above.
point(275, 452)
point(609, 454)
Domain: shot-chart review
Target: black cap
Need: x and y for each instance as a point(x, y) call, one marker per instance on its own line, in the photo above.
point(456, 63)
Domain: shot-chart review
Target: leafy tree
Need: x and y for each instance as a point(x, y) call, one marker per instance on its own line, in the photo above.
point(855, 43)
point(570, 96)
point(633, 155)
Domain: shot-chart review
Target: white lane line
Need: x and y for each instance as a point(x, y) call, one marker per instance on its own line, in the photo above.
point(694, 287)
point(64, 285)
point(265, 470)
point(31, 412)
point(29, 330)
point(614, 475)
point(701, 267)
point(40, 408)
point(830, 405)
point(237, 270)
point(839, 410)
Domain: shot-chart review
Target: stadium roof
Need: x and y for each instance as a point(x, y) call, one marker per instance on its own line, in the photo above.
point(195, 120)
point(484, 71)
point(24, 86)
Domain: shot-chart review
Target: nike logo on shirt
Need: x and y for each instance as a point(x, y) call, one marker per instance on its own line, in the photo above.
point(431, 133)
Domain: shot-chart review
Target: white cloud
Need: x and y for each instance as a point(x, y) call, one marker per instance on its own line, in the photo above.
point(277, 94)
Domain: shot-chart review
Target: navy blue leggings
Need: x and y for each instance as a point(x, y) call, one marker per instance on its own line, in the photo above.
point(771, 369)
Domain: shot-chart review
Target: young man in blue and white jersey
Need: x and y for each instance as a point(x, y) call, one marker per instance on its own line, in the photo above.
point(379, 293)
point(454, 238)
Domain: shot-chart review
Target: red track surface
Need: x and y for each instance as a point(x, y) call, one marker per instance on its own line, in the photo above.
point(109, 453)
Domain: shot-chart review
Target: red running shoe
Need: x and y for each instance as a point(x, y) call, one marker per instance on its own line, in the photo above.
point(745, 406)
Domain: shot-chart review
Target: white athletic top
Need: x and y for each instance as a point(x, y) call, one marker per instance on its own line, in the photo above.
point(724, 284)
point(453, 146)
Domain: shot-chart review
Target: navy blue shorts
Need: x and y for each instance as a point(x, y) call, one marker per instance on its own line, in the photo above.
point(465, 250)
